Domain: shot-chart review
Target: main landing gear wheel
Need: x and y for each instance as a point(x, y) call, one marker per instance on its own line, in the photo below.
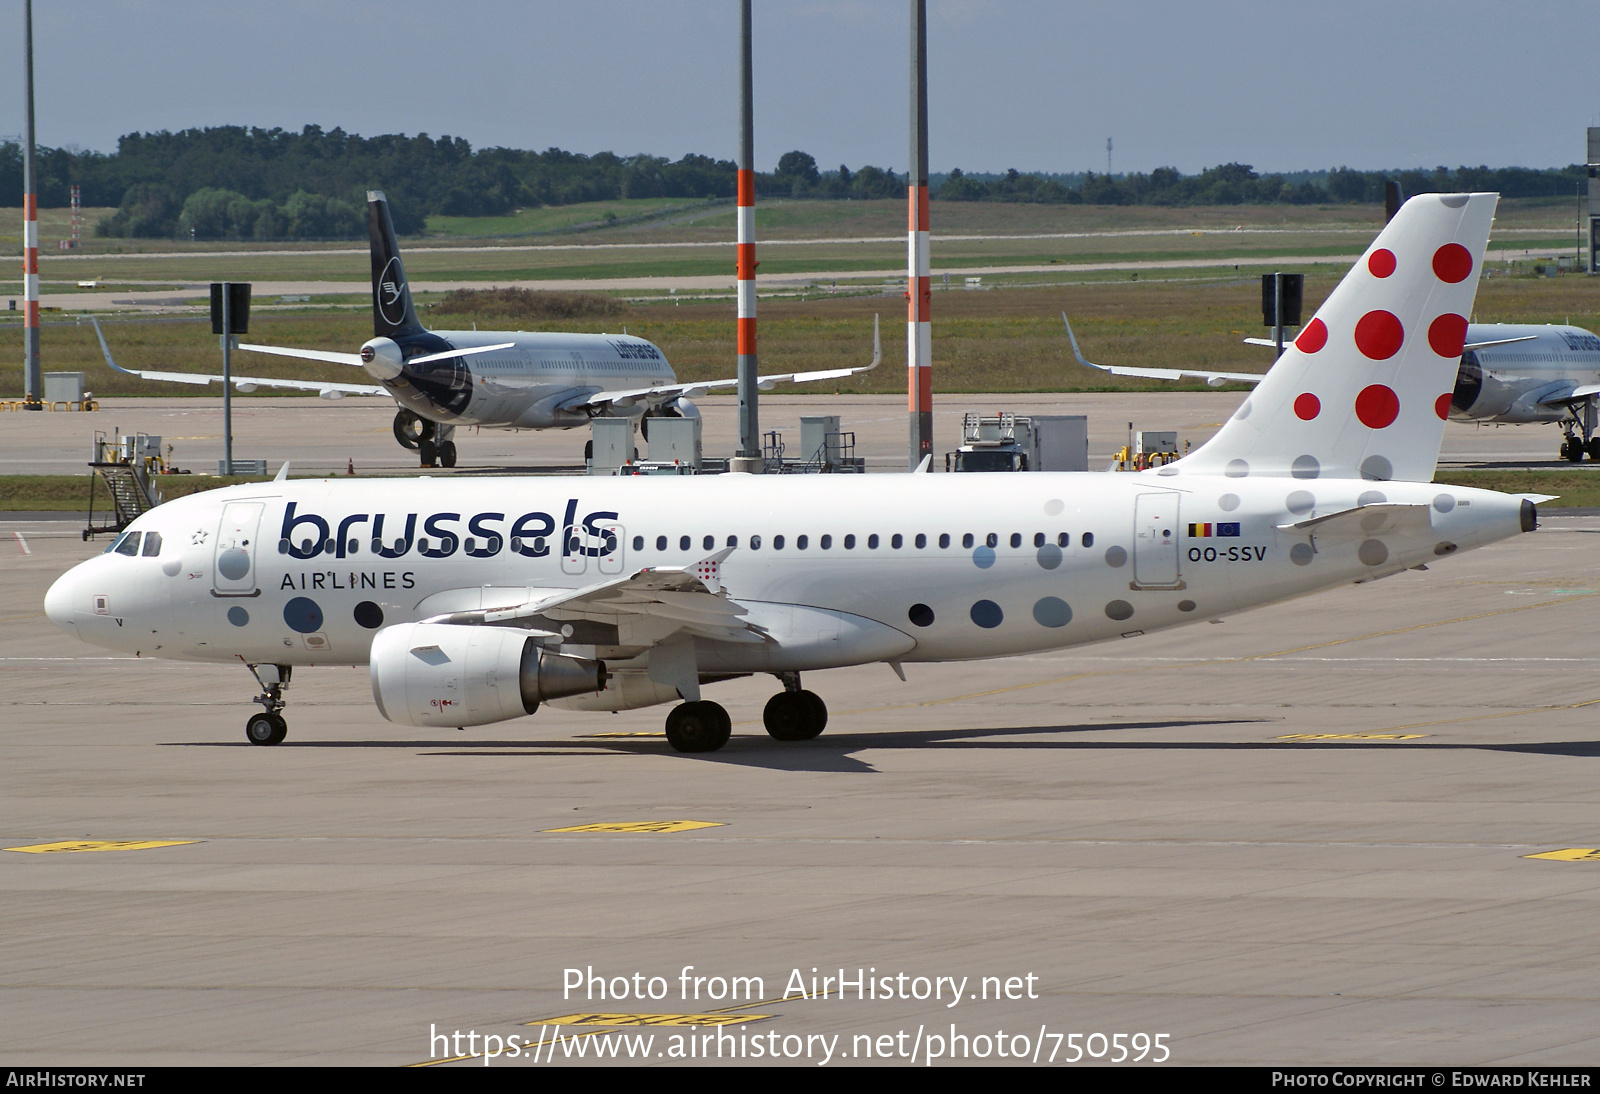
point(795, 715)
point(698, 727)
point(1572, 449)
point(429, 452)
point(1593, 448)
point(266, 729)
point(447, 453)
point(410, 429)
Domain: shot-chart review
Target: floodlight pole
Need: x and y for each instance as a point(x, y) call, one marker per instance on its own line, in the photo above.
point(227, 381)
point(919, 289)
point(749, 416)
point(33, 378)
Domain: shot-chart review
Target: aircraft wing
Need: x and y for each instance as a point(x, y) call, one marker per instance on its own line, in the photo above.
point(1470, 345)
point(326, 388)
point(648, 606)
point(655, 395)
point(1215, 379)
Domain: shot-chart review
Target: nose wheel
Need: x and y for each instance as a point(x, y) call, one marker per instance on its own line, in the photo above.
point(268, 727)
point(795, 714)
point(698, 727)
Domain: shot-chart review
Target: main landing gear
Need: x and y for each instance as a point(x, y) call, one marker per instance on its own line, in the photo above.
point(269, 727)
point(434, 444)
point(791, 715)
point(1583, 418)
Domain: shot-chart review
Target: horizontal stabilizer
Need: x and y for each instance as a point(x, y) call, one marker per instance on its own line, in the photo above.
point(1364, 522)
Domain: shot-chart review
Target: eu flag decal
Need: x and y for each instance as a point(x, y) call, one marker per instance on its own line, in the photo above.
point(1229, 530)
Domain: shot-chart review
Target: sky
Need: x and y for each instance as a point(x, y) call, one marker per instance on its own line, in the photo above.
point(1031, 84)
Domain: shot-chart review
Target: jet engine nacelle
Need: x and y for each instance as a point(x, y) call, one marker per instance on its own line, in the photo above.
point(442, 674)
point(382, 359)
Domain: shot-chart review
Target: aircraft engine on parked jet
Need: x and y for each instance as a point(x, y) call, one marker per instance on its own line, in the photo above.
point(440, 674)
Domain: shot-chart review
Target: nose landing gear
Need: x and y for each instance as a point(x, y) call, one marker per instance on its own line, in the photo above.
point(698, 727)
point(794, 714)
point(269, 727)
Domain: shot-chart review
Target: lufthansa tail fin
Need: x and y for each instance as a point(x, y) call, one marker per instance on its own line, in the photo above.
point(392, 312)
point(1365, 389)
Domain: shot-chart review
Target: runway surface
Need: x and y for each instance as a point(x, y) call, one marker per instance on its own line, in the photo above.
point(1297, 836)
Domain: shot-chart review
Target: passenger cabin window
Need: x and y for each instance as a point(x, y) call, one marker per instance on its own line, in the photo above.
point(638, 543)
point(896, 541)
point(825, 542)
point(1063, 539)
point(800, 543)
point(128, 544)
point(709, 542)
point(850, 543)
point(922, 541)
point(991, 540)
point(966, 540)
point(944, 539)
point(755, 543)
point(733, 541)
point(1016, 539)
point(872, 542)
point(661, 543)
point(1087, 539)
point(683, 543)
point(777, 543)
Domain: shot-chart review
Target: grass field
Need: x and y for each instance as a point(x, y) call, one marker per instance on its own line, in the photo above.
point(1008, 340)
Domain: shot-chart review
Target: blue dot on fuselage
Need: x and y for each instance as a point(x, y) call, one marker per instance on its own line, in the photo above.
point(303, 615)
point(238, 616)
point(987, 614)
point(983, 558)
point(1052, 611)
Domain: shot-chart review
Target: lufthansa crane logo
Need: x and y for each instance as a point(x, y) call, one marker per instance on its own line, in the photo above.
point(391, 293)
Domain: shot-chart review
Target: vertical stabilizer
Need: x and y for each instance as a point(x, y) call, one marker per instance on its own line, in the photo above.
point(392, 312)
point(1365, 388)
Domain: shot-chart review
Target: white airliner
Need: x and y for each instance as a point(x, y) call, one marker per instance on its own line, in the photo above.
point(1509, 374)
point(475, 601)
point(497, 379)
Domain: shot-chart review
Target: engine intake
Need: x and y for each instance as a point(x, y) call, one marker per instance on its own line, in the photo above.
point(441, 674)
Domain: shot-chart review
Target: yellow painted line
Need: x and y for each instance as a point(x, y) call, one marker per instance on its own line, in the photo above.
point(618, 1019)
point(629, 733)
point(99, 845)
point(641, 826)
point(1236, 660)
point(1502, 714)
point(1570, 854)
point(1350, 736)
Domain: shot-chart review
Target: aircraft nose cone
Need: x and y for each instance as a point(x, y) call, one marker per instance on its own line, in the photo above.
point(58, 601)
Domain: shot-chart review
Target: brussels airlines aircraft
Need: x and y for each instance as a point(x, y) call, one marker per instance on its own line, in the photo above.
point(473, 602)
point(499, 379)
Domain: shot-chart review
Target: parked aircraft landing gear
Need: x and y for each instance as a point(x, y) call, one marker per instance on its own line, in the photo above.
point(698, 727)
point(795, 714)
point(269, 727)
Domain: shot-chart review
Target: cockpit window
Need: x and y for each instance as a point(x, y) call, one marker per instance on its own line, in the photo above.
point(152, 544)
point(128, 544)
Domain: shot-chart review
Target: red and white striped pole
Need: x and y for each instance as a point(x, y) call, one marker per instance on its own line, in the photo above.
point(749, 418)
point(919, 288)
point(33, 379)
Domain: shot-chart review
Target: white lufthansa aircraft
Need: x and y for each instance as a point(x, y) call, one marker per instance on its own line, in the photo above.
point(1508, 374)
point(495, 379)
point(476, 601)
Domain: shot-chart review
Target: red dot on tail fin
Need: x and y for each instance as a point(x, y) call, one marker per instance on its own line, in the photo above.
point(1377, 406)
point(1313, 338)
point(1307, 406)
point(1453, 263)
point(1447, 334)
point(1381, 262)
point(1441, 406)
point(1379, 335)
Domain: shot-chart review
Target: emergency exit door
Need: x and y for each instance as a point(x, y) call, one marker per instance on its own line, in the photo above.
point(1155, 541)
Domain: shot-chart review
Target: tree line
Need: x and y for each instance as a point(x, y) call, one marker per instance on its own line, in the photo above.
point(234, 182)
